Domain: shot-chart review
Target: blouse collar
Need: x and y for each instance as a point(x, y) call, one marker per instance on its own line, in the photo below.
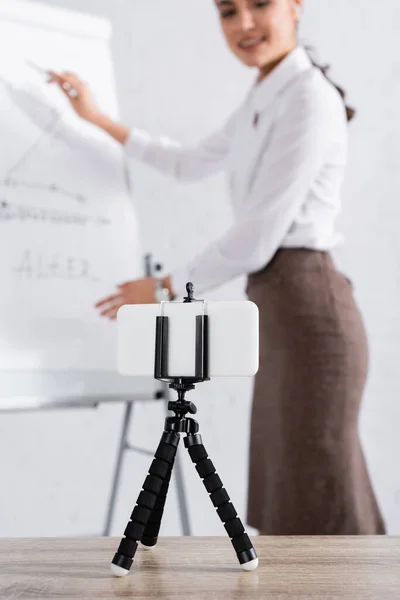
point(295, 63)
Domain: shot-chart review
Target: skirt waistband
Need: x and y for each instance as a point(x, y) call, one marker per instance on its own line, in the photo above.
point(291, 261)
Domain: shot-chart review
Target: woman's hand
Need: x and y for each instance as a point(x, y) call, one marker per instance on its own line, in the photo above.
point(84, 104)
point(140, 291)
point(78, 93)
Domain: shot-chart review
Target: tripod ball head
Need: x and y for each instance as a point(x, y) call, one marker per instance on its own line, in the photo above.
point(190, 292)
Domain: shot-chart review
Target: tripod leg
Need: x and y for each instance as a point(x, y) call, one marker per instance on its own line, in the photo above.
point(159, 472)
point(151, 531)
point(245, 551)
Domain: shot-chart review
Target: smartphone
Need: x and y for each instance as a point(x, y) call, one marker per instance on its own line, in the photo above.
point(233, 338)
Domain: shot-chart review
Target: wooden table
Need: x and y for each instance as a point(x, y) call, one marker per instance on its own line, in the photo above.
point(191, 568)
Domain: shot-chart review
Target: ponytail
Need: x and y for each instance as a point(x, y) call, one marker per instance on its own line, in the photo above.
point(350, 112)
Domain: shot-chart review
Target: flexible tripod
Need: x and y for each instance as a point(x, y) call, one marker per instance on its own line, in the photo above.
point(145, 521)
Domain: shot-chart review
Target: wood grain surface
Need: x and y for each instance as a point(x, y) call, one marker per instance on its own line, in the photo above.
point(190, 568)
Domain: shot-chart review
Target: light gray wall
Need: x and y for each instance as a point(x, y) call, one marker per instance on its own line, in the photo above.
point(175, 76)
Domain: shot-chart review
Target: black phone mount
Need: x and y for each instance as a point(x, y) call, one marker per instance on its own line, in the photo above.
point(145, 521)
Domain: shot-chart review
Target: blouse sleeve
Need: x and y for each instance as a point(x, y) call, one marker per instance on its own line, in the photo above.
point(185, 163)
point(295, 154)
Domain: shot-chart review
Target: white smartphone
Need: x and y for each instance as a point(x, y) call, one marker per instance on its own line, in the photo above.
point(233, 338)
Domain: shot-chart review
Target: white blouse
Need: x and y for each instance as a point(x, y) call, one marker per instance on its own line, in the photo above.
point(284, 152)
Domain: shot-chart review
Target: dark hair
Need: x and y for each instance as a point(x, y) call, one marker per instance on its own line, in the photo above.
point(324, 69)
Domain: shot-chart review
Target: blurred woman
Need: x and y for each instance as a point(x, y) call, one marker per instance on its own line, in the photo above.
point(284, 151)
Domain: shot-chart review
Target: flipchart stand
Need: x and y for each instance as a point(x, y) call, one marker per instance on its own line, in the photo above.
point(161, 393)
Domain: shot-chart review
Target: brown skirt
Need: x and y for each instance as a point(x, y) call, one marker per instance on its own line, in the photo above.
point(308, 474)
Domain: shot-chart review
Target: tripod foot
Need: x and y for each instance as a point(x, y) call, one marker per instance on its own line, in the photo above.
point(145, 547)
point(251, 565)
point(248, 559)
point(118, 571)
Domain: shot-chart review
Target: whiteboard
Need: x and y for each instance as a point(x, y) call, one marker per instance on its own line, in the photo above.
point(68, 229)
